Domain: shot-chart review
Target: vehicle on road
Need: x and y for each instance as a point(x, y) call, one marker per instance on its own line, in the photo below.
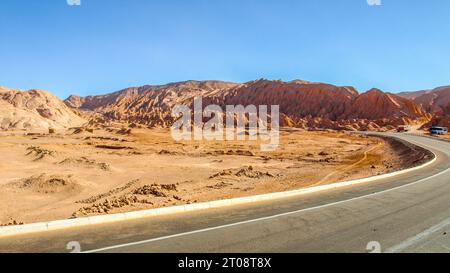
point(403, 128)
point(438, 130)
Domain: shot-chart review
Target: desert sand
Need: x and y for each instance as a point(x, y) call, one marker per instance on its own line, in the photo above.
point(76, 173)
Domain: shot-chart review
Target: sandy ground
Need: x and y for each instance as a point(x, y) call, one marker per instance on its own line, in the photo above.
point(65, 175)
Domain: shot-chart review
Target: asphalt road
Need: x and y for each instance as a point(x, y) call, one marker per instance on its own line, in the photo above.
point(407, 213)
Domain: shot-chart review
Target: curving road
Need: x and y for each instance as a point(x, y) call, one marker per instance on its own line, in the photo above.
point(407, 213)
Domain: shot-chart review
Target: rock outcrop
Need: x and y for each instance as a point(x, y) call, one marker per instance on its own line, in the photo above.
point(434, 101)
point(302, 104)
point(34, 109)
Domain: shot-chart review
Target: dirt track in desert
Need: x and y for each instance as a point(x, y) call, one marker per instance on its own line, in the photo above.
point(78, 173)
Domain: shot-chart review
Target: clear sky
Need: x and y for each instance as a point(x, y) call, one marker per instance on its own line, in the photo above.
point(106, 45)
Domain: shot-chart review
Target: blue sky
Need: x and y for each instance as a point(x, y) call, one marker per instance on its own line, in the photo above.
point(106, 45)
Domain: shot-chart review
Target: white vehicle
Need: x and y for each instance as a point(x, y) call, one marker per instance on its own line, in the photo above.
point(438, 130)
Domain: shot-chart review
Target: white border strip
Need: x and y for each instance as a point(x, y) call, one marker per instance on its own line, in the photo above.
point(103, 219)
point(264, 218)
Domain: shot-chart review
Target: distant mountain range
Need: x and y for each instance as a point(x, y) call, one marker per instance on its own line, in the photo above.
point(302, 104)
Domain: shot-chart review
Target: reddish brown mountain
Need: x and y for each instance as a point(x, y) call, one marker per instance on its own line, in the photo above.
point(435, 100)
point(296, 99)
point(149, 105)
point(376, 104)
point(303, 104)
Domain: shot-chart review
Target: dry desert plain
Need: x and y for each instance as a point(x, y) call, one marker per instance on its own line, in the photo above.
point(77, 173)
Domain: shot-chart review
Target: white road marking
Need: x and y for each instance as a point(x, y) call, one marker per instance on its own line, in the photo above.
point(419, 237)
point(263, 218)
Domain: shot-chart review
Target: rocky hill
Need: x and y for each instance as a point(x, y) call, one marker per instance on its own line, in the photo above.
point(149, 105)
point(302, 104)
point(435, 100)
point(34, 109)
